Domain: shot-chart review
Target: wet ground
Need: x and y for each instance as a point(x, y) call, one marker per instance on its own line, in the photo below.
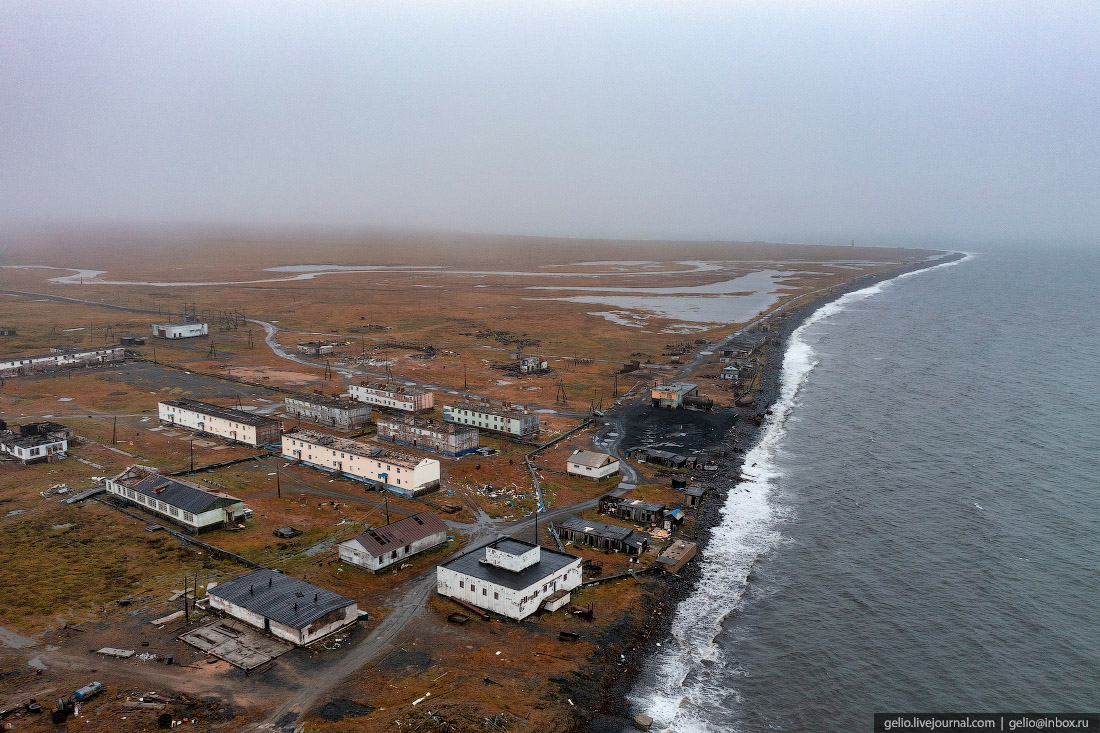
point(677, 430)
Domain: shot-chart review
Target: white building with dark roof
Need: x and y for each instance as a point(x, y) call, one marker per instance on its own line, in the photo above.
point(59, 358)
point(285, 607)
point(510, 577)
point(33, 448)
point(380, 547)
point(226, 422)
point(180, 502)
point(591, 464)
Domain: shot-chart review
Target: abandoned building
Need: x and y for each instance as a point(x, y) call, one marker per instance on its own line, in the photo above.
point(693, 495)
point(33, 443)
point(320, 348)
point(510, 577)
point(532, 365)
point(380, 547)
point(226, 422)
point(672, 394)
point(744, 345)
point(393, 396)
point(185, 329)
point(8, 332)
point(401, 473)
point(736, 370)
point(285, 607)
point(676, 555)
point(180, 502)
point(286, 533)
point(513, 421)
point(591, 464)
point(447, 438)
point(61, 357)
point(635, 510)
point(663, 458)
point(604, 536)
point(132, 340)
point(332, 412)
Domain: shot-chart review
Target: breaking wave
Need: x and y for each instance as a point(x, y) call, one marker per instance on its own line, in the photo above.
point(688, 684)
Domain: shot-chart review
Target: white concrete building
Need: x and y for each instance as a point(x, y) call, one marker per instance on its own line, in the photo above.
point(60, 357)
point(401, 473)
point(591, 464)
point(180, 502)
point(181, 330)
point(32, 448)
point(284, 607)
point(331, 411)
point(393, 396)
point(494, 418)
point(238, 425)
point(511, 577)
point(380, 547)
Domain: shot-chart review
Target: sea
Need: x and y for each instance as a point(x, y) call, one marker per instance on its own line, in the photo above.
point(918, 528)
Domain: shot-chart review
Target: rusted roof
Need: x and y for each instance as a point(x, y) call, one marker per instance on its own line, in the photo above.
point(380, 540)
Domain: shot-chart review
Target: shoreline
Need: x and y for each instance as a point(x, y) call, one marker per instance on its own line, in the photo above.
point(614, 712)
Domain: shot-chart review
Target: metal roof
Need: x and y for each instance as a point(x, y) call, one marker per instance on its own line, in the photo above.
point(325, 401)
point(226, 413)
point(550, 562)
point(695, 490)
point(591, 459)
point(598, 529)
point(280, 597)
point(390, 387)
point(184, 496)
point(380, 540)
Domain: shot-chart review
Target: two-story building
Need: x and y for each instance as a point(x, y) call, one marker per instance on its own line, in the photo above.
point(392, 396)
point(513, 421)
point(448, 438)
point(330, 411)
point(226, 422)
point(401, 473)
point(61, 357)
point(510, 577)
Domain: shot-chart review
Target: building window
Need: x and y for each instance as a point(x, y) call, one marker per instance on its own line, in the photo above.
point(484, 591)
point(496, 596)
point(461, 584)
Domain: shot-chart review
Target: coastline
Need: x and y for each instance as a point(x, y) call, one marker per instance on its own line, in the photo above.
point(628, 644)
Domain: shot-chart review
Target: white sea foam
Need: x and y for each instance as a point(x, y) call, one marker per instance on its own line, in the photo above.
point(689, 679)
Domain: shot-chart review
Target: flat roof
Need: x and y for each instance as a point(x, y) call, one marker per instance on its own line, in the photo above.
point(550, 562)
point(63, 351)
point(380, 540)
point(177, 324)
point(598, 529)
point(279, 597)
point(227, 413)
point(28, 441)
point(347, 445)
point(677, 386)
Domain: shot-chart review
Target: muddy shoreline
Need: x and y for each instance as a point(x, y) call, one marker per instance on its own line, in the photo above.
point(628, 643)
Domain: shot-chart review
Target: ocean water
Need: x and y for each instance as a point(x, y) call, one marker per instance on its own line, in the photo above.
point(920, 525)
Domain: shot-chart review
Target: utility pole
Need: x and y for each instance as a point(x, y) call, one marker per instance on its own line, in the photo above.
point(465, 384)
point(387, 498)
point(278, 483)
point(114, 431)
point(192, 454)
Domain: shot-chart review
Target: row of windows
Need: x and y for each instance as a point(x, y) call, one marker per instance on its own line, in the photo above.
point(484, 590)
point(159, 506)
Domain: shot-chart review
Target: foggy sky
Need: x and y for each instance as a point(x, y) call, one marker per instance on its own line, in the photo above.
point(883, 122)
